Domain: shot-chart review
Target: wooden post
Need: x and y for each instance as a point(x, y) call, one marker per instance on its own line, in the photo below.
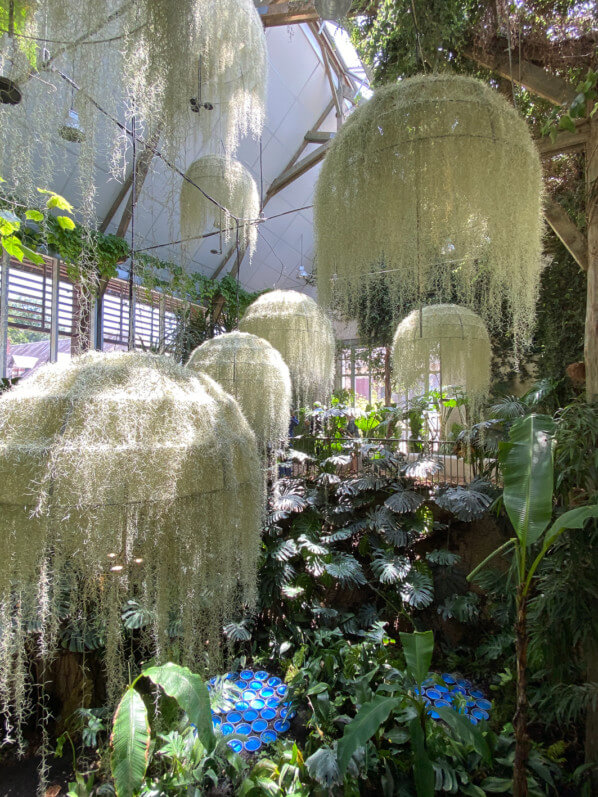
point(591, 332)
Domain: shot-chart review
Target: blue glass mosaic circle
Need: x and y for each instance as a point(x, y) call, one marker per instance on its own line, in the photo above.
point(251, 705)
point(451, 690)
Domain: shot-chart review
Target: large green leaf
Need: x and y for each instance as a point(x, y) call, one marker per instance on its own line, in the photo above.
point(466, 732)
point(418, 648)
point(363, 726)
point(526, 463)
point(130, 743)
point(423, 770)
point(574, 519)
point(191, 694)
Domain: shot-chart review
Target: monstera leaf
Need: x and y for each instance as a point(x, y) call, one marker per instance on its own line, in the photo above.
point(466, 503)
point(403, 501)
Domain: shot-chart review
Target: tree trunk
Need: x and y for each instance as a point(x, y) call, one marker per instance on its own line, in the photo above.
point(522, 740)
point(387, 384)
point(591, 332)
point(591, 740)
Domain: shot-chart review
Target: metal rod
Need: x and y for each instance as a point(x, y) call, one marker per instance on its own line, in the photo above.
point(4, 316)
point(54, 310)
point(131, 344)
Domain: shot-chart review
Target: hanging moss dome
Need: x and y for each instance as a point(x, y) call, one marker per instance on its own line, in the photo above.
point(452, 337)
point(254, 373)
point(124, 475)
point(436, 178)
point(300, 330)
point(232, 186)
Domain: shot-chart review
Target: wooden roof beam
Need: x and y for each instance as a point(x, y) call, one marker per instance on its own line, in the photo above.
point(572, 238)
point(276, 14)
point(296, 171)
point(532, 77)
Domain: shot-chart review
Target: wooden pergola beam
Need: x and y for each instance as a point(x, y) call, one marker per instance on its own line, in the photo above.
point(566, 140)
point(572, 238)
point(532, 77)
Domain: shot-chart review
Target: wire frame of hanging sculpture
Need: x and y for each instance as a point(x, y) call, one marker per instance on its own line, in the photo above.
point(436, 178)
point(122, 475)
point(444, 337)
point(232, 186)
point(254, 373)
point(232, 73)
point(300, 330)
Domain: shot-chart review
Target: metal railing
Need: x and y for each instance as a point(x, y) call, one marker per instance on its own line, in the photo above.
point(426, 461)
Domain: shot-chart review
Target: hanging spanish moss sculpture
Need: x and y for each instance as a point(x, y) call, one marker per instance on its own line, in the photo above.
point(116, 62)
point(232, 186)
point(122, 475)
point(446, 339)
point(435, 183)
point(233, 72)
point(294, 324)
point(255, 374)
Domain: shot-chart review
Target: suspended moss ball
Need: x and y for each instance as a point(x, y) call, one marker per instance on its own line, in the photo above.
point(445, 338)
point(232, 186)
point(254, 373)
point(436, 184)
point(123, 476)
point(300, 330)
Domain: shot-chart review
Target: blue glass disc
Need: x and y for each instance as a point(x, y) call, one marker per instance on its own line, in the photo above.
point(235, 745)
point(252, 744)
point(268, 737)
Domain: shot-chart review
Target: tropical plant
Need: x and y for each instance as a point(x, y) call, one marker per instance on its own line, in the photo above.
point(294, 324)
point(131, 733)
point(527, 467)
point(383, 170)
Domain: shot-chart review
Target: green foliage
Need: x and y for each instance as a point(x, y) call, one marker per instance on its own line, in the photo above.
point(399, 38)
point(418, 649)
point(130, 744)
